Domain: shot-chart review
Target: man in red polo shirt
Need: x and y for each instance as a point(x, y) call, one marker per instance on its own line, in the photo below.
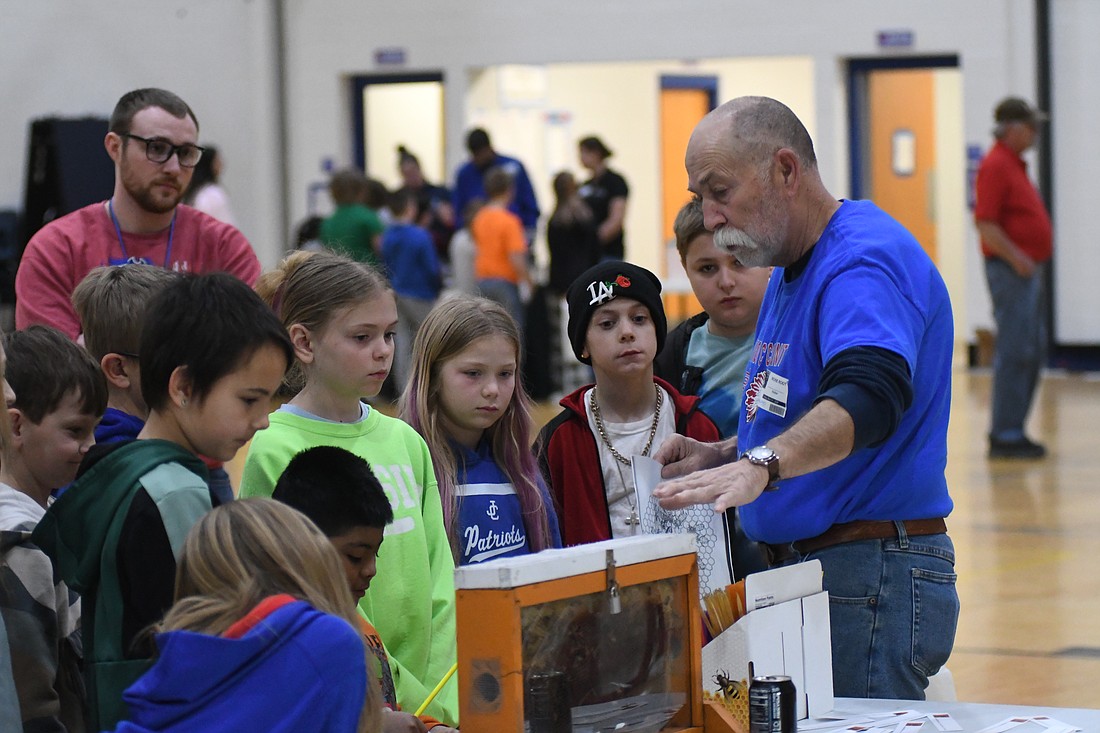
point(1017, 238)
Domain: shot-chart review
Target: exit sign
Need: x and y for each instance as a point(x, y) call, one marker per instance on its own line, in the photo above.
point(389, 56)
point(895, 39)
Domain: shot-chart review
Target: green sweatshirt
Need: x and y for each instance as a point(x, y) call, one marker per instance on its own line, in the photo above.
point(411, 602)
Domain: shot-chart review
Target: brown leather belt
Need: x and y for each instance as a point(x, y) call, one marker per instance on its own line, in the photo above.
point(852, 532)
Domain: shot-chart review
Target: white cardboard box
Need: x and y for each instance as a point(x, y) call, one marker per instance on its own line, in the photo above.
point(786, 632)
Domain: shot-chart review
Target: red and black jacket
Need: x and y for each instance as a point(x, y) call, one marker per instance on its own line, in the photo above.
point(570, 463)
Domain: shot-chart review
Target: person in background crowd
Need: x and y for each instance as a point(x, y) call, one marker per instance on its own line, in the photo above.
point(375, 197)
point(434, 209)
point(605, 193)
point(415, 275)
point(570, 235)
point(501, 261)
point(353, 229)
point(1017, 243)
point(470, 182)
point(205, 192)
point(463, 279)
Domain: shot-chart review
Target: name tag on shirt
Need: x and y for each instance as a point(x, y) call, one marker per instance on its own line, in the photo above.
point(773, 397)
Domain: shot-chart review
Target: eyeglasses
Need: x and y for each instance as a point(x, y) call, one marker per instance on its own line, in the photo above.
point(159, 151)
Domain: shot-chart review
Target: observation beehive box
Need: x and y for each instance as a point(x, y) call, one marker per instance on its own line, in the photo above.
point(604, 636)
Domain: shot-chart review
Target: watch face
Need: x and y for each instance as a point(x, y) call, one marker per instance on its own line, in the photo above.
point(761, 453)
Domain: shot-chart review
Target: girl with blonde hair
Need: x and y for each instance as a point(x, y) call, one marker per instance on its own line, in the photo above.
point(465, 398)
point(341, 317)
point(261, 636)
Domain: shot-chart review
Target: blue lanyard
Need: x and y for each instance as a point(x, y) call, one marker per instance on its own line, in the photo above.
point(122, 244)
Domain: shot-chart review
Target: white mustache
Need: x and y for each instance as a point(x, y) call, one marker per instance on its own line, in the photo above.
point(748, 251)
point(732, 239)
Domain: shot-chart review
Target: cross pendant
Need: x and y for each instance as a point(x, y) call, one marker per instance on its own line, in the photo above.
point(633, 521)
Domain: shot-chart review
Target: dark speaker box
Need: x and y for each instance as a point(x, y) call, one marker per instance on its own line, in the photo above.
point(67, 168)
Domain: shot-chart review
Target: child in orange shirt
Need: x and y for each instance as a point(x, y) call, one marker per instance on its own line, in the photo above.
point(500, 264)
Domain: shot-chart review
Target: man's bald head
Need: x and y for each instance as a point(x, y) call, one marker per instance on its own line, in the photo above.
point(757, 127)
point(752, 166)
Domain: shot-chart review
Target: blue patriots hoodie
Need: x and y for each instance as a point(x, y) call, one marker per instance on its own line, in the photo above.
point(284, 667)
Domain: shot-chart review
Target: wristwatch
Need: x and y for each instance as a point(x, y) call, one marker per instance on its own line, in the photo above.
point(764, 456)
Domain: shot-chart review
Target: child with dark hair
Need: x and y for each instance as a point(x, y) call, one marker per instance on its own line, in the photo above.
point(617, 325)
point(212, 355)
point(338, 491)
point(60, 396)
point(60, 389)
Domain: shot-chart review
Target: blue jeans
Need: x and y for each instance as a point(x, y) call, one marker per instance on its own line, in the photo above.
point(1019, 308)
point(893, 610)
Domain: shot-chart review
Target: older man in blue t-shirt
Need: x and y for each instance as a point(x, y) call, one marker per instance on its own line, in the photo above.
point(842, 438)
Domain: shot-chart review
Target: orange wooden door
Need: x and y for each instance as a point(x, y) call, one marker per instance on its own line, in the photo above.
point(902, 148)
point(681, 110)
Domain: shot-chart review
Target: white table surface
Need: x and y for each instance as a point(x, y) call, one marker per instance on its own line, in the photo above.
point(974, 716)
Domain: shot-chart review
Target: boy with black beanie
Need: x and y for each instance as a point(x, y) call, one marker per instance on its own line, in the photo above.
point(617, 324)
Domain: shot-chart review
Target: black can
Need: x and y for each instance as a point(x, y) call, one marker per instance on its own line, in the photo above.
point(772, 705)
point(546, 706)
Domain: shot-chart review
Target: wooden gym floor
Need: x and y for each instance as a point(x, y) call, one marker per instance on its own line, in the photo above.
point(1027, 546)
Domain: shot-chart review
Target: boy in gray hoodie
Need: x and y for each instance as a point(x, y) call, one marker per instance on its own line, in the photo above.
point(60, 395)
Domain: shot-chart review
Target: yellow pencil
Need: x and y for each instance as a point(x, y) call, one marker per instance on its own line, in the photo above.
point(431, 696)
